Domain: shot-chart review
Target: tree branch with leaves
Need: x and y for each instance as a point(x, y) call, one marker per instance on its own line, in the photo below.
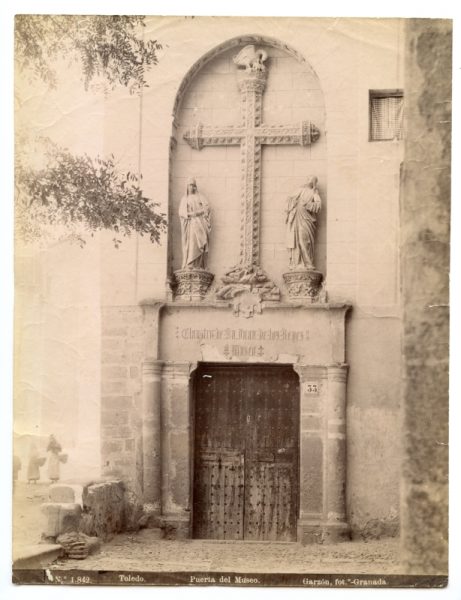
point(83, 194)
point(110, 47)
point(77, 192)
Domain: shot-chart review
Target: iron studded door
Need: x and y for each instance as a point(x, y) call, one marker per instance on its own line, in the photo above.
point(218, 494)
point(246, 452)
point(271, 454)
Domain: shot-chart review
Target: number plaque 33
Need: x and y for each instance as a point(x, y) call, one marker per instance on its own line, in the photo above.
point(311, 387)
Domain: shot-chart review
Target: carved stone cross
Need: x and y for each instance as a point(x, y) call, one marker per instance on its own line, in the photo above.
point(250, 136)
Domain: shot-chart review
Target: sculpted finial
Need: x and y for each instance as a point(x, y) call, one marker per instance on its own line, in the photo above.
point(251, 59)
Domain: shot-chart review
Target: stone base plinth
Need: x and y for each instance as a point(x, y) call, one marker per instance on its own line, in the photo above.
point(176, 527)
point(310, 532)
point(304, 285)
point(192, 284)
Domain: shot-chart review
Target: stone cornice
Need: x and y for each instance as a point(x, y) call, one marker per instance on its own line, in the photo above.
point(327, 306)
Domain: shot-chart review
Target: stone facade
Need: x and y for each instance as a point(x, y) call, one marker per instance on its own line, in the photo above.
point(356, 246)
point(312, 337)
point(319, 70)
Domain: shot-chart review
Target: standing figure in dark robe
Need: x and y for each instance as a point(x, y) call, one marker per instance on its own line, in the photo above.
point(301, 212)
point(194, 213)
point(34, 464)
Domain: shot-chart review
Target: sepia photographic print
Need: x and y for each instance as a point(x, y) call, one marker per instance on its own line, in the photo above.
point(231, 301)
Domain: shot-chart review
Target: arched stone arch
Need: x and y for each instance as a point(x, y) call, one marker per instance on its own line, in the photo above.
point(209, 94)
point(235, 42)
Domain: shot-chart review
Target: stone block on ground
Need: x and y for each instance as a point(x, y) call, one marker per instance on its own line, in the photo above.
point(62, 492)
point(149, 517)
point(104, 509)
point(60, 517)
point(78, 545)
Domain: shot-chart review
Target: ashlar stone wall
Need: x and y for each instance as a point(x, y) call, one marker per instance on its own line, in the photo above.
point(121, 356)
point(358, 238)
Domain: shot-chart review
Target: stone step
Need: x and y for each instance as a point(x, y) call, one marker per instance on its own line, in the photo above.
point(34, 556)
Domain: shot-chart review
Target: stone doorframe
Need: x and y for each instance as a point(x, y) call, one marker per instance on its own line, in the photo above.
point(167, 400)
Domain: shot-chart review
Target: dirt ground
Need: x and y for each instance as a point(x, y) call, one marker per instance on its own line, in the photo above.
point(142, 552)
point(27, 516)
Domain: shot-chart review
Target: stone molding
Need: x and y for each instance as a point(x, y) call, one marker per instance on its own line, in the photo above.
point(306, 372)
point(178, 370)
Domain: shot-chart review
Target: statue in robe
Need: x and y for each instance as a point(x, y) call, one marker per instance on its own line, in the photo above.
point(195, 216)
point(301, 212)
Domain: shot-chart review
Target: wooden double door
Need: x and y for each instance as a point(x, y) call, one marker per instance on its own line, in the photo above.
point(246, 453)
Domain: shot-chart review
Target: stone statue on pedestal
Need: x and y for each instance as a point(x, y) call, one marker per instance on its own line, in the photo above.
point(303, 280)
point(301, 212)
point(194, 212)
point(193, 280)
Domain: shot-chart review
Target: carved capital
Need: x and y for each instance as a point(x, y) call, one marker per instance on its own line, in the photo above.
point(304, 285)
point(252, 81)
point(338, 372)
point(152, 368)
point(308, 372)
point(192, 284)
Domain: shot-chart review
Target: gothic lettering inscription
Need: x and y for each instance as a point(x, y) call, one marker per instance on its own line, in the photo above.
point(242, 335)
point(231, 350)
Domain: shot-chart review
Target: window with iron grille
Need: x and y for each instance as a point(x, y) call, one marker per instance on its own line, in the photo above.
point(386, 115)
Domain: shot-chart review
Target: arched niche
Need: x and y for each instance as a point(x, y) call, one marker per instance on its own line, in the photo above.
point(209, 94)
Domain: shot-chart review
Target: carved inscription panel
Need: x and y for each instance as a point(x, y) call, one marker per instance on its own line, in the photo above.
point(192, 333)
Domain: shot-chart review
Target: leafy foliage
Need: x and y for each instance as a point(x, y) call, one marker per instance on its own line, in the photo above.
point(106, 46)
point(78, 191)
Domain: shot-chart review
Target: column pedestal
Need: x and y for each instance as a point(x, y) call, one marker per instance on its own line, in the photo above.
point(176, 450)
point(322, 516)
point(337, 526)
